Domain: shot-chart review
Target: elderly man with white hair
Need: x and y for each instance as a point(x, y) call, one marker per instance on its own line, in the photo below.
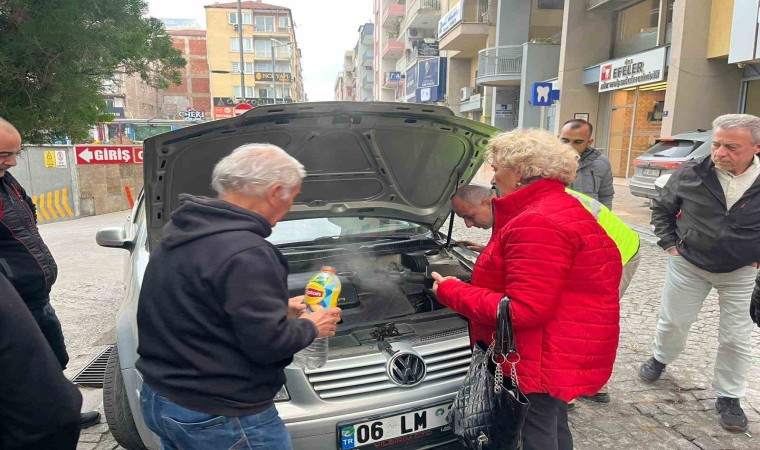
point(216, 328)
point(706, 218)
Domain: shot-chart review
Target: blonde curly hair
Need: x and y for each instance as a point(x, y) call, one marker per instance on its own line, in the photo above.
point(533, 153)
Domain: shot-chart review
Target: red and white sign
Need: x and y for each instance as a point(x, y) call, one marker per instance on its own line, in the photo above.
point(242, 108)
point(108, 154)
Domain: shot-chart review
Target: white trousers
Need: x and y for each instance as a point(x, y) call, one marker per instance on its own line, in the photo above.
point(686, 287)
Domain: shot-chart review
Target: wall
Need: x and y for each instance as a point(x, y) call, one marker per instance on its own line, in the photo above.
point(101, 187)
point(540, 63)
point(53, 189)
point(721, 15)
point(586, 41)
point(699, 89)
point(195, 89)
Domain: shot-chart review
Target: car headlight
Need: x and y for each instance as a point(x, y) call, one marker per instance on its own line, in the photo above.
point(282, 395)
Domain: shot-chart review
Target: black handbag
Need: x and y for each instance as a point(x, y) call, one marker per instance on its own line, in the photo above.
point(489, 413)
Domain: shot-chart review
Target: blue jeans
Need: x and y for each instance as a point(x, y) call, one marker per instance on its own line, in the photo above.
point(181, 428)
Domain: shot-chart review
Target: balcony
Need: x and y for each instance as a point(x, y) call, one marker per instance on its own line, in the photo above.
point(392, 49)
point(464, 28)
point(609, 4)
point(367, 82)
point(500, 66)
point(391, 10)
point(388, 83)
point(422, 14)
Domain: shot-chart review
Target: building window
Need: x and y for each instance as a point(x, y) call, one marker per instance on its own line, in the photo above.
point(283, 50)
point(265, 67)
point(236, 67)
point(286, 91)
point(233, 16)
point(248, 91)
point(637, 28)
point(266, 93)
point(265, 24)
point(284, 22)
point(248, 45)
point(234, 45)
point(282, 67)
point(551, 4)
point(263, 48)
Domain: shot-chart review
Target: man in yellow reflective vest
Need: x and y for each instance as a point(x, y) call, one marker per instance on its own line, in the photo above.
point(473, 204)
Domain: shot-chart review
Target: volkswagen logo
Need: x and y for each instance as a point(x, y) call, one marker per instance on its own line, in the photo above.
point(406, 369)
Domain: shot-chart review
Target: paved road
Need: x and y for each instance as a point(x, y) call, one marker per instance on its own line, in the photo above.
point(675, 413)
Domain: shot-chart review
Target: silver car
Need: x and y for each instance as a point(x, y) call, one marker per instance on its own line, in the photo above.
point(664, 157)
point(379, 180)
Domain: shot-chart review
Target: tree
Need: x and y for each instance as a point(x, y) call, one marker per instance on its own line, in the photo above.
point(55, 56)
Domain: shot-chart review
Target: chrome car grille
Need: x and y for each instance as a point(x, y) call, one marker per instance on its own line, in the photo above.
point(355, 377)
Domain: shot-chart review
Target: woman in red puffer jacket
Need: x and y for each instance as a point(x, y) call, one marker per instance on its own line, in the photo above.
point(561, 270)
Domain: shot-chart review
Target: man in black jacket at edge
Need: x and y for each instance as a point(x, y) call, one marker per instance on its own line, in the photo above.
point(39, 407)
point(216, 328)
point(706, 217)
point(24, 258)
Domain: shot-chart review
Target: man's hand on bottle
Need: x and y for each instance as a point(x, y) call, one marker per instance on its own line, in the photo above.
point(296, 307)
point(326, 321)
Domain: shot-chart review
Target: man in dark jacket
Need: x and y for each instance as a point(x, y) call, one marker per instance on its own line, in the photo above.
point(706, 218)
point(24, 258)
point(39, 407)
point(594, 176)
point(214, 323)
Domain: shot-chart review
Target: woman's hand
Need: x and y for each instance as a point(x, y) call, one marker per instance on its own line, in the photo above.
point(439, 279)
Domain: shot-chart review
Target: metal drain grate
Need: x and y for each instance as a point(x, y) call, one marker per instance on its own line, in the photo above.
point(93, 373)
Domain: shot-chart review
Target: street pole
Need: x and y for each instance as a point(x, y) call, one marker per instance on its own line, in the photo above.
point(240, 47)
point(274, 83)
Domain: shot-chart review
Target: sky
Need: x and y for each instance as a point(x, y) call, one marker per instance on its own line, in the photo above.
point(324, 30)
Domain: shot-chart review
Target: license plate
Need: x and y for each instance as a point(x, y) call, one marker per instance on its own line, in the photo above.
point(651, 172)
point(395, 431)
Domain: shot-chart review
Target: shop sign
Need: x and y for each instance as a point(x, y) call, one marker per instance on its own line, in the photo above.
point(411, 80)
point(192, 114)
point(267, 76)
point(472, 104)
point(450, 19)
point(427, 49)
point(224, 107)
point(429, 74)
point(634, 70)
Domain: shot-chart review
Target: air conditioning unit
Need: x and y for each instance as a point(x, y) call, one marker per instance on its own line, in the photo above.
point(465, 93)
point(235, 26)
point(413, 32)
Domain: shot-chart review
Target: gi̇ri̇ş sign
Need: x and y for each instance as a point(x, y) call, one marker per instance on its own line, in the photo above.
point(633, 70)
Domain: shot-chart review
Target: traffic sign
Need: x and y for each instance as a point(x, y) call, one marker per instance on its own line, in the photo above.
point(108, 154)
point(241, 108)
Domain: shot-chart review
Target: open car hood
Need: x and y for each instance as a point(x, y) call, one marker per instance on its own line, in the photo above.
point(370, 159)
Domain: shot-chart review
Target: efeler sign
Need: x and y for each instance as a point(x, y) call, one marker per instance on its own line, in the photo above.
point(633, 70)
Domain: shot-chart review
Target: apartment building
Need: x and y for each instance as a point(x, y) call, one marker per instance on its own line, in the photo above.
point(356, 81)
point(190, 100)
point(269, 70)
point(345, 83)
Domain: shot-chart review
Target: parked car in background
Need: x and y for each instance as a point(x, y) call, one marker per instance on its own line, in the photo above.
point(665, 156)
point(377, 190)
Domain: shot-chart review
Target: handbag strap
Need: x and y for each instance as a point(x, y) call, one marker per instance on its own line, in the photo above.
point(505, 335)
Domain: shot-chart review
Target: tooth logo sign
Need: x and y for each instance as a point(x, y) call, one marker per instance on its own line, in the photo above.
point(543, 93)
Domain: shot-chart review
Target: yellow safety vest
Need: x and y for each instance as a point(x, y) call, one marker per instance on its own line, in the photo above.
point(626, 239)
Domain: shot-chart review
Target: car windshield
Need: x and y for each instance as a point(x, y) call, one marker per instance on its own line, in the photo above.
point(673, 149)
point(304, 230)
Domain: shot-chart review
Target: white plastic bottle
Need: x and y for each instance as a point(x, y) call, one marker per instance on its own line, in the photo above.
point(322, 292)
